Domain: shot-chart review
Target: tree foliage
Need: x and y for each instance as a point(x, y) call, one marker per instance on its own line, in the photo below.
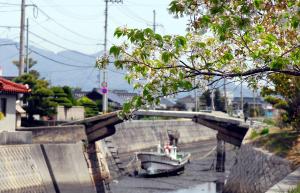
point(39, 100)
point(90, 107)
point(60, 97)
point(205, 98)
point(225, 39)
point(31, 63)
point(285, 95)
point(219, 101)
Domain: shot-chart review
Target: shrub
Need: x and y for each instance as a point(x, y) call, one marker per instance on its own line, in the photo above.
point(269, 121)
point(296, 190)
point(265, 131)
point(254, 134)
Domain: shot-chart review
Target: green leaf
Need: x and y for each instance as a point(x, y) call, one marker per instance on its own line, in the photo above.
point(118, 32)
point(201, 44)
point(127, 107)
point(278, 63)
point(166, 56)
point(271, 38)
point(295, 22)
point(180, 41)
point(258, 3)
point(115, 50)
point(228, 56)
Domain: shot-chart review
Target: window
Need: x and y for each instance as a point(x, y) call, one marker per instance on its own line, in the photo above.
point(3, 106)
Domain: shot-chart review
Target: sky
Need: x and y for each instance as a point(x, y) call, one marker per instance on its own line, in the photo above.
point(78, 25)
point(58, 25)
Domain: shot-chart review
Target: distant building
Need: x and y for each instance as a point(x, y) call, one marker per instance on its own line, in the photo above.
point(264, 108)
point(77, 93)
point(8, 96)
point(258, 102)
point(114, 100)
point(124, 94)
point(188, 102)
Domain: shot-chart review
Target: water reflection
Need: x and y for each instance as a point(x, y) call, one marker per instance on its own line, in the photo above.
point(210, 187)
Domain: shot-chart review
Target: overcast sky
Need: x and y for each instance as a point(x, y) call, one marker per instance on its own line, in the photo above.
point(79, 25)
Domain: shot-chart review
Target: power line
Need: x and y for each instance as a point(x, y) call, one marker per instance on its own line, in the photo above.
point(63, 11)
point(59, 36)
point(60, 46)
point(6, 11)
point(37, 44)
point(131, 14)
point(12, 4)
point(8, 44)
point(9, 26)
point(62, 26)
point(59, 62)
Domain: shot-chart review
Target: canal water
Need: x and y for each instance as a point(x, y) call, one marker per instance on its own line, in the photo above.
point(202, 188)
point(199, 176)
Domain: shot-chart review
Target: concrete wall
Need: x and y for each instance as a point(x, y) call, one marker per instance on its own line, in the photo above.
point(256, 171)
point(140, 134)
point(9, 122)
point(52, 168)
point(57, 134)
point(14, 138)
point(69, 114)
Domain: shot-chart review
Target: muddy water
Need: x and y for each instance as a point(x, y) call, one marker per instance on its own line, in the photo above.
point(202, 188)
point(198, 177)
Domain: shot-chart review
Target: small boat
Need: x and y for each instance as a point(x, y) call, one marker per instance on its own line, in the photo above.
point(164, 161)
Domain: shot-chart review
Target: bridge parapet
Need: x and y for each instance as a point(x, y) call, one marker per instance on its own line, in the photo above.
point(231, 130)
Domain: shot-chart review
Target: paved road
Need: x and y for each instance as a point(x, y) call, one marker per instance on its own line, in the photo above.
point(197, 172)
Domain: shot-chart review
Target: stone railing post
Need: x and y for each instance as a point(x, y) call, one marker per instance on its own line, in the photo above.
point(221, 155)
point(94, 166)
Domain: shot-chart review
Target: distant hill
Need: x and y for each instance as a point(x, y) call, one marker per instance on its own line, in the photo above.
point(60, 68)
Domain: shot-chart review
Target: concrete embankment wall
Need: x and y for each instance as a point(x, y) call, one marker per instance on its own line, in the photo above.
point(47, 168)
point(141, 134)
point(255, 171)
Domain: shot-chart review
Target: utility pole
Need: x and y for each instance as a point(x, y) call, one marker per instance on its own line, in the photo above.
point(196, 96)
point(225, 96)
point(104, 82)
point(27, 46)
point(154, 25)
point(154, 20)
point(254, 103)
point(212, 100)
point(242, 100)
point(21, 49)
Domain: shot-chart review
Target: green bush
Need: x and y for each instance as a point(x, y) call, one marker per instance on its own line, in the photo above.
point(265, 131)
point(254, 134)
point(296, 190)
point(269, 121)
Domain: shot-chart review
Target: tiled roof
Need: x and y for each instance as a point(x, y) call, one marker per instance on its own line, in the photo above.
point(12, 87)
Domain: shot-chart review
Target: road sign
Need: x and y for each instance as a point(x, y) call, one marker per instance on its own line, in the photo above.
point(104, 90)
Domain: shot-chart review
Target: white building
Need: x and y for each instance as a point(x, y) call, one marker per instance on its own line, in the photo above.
point(8, 96)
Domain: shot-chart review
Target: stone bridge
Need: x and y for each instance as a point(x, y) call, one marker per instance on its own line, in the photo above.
point(230, 130)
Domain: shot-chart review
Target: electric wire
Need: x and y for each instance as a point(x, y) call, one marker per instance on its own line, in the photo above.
point(62, 56)
point(60, 46)
point(59, 62)
point(61, 37)
point(62, 26)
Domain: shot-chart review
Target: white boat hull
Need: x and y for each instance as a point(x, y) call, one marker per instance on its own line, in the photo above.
point(155, 163)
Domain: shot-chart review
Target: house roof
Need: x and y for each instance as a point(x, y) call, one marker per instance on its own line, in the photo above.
point(12, 87)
